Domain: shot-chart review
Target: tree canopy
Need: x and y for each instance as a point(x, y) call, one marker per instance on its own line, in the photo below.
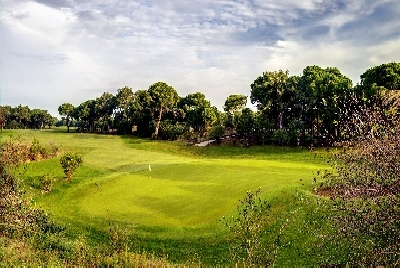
point(301, 109)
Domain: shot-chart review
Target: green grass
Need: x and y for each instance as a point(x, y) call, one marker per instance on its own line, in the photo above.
point(176, 204)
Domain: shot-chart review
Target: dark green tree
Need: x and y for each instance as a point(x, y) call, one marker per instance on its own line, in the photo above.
point(325, 94)
point(246, 123)
point(86, 114)
point(233, 106)
point(379, 78)
point(198, 111)
point(272, 92)
point(66, 110)
point(141, 113)
point(124, 98)
point(105, 106)
point(38, 118)
point(22, 115)
point(164, 97)
point(5, 116)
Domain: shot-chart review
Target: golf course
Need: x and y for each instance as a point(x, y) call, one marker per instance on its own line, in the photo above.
point(168, 196)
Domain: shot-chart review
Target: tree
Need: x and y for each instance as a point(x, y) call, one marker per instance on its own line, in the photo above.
point(274, 93)
point(50, 120)
point(86, 113)
point(198, 111)
point(105, 106)
point(124, 103)
point(193, 101)
point(22, 115)
point(216, 132)
point(234, 104)
point(141, 112)
point(164, 97)
point(379, 78)
point(246, 123)
point(38, 118)
point(5, 116)
point(66, 110)
point(325, 93)
point(124, 99)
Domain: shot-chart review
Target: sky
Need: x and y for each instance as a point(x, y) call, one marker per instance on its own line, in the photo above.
point(56, 51)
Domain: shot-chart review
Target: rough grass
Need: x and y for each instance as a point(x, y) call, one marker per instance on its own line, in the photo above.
point(176, 204)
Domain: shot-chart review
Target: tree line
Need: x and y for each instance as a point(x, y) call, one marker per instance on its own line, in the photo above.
point(291, 110)
point(24, 117)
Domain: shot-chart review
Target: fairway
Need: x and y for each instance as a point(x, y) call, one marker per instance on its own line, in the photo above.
point(152, 186)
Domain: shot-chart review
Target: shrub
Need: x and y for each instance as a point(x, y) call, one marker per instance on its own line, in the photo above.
point(365, 187)
point(170, 131)
point(247, 229)
point(281, 137)
point(217, 132)
point(14, 152)
point(36, 151)
point(70, 162)
point(53, 150)
point(46, 183)
point(17, 217)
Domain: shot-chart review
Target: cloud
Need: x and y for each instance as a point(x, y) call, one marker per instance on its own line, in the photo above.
point(56, 3)
point(75, 50)
point(47, 58)
point(20, 14)
point(378, 24)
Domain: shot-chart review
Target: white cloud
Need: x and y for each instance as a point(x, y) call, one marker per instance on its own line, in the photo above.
point(73, 51)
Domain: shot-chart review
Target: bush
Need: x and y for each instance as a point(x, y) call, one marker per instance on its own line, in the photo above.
point(365, 187)
point(17, 217)
point(281, 137)
point(70, 162)
point(46, 183)
point(36, 151)
point(217, 132)
point(247, 228)
point(14, 153)
point(53, 150)
point(170, 131)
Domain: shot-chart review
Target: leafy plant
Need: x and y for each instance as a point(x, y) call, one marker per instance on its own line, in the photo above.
point(53, 149)
point(365, 186)
point(70, 162)
point(47, 183)
point(247, 228)
point(281, 137)
point(18, 219)
point(36, 151)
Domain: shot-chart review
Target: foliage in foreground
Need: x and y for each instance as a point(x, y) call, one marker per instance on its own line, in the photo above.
point(365, 187)
point(247, 228)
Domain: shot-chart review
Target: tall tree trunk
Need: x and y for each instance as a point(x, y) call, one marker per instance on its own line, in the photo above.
point(158, 121)
point(91, 124)
point(104, 124)
point(68, 124)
